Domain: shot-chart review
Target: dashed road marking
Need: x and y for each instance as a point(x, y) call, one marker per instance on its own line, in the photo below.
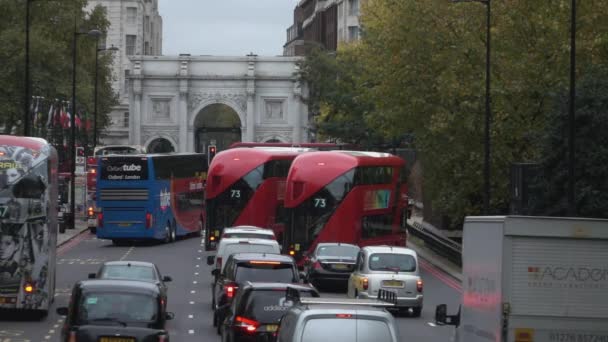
point(47, 337)
point(195, 282)
point(56, 326)
point(190, 316)
point(191, 332)
point(431, 324)
point(200, 251)
point(197, 266)
point(198, 258)
point(127, 253)
point(193, 291)
point(195, 273)
point(191, 302)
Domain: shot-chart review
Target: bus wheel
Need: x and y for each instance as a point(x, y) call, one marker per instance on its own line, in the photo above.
point(167, 233)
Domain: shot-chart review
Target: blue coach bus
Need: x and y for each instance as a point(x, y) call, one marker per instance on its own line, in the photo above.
point(150, 196)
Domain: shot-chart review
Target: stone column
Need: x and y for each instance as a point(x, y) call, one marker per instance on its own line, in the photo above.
point(250, 117)
point(183, 104)
point(190, 147)
point(297, 109)
point(251, 58)
point(135, 117)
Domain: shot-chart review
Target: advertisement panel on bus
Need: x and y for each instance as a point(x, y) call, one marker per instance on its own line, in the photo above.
point(28, 223)
point(345, 196)
point(155, 196)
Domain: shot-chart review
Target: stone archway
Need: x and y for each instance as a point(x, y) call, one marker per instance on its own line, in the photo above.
point(273, 140)
point(160, 145)
point(217, 123)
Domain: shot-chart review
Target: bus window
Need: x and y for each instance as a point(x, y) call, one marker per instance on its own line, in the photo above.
point(376, 225)
point(368, 175)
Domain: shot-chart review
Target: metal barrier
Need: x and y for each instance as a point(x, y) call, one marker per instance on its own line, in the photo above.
point(439, 244)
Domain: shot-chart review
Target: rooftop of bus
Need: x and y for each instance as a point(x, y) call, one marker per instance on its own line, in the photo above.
point(349, 159)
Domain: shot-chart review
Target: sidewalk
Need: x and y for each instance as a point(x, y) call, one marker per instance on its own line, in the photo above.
point(427, 254)
point(81, 228)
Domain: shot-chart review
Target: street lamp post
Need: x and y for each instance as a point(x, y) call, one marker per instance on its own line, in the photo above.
point(488, 113)
point(113, 48)
point(92, 33)
point(571, 114)
point(26, 99)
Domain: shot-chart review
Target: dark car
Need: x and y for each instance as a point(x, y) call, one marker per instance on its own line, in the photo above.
point(257, 310)
point(134, 270)
point(331, 264)
point(254, 267)
point(115, 310)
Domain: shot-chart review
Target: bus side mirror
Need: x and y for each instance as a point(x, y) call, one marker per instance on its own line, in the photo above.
point(210, 260)
point(92, 275)
point(62, 311)
point(167, 279)
point(169, 316)
point(303, 277)
point(442, 317)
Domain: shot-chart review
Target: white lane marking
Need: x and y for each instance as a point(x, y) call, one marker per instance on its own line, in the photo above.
point(198, 266)
point(191, 302)
point(127, 253)
point(200, 251)
point(431, 324)
point(198, 258)
point(52, 331)
point(190, 331)
point(56, 326)
point(195, 282)
point(195, 273)
point(192, 291)
point(47, 337)
point(190, 316)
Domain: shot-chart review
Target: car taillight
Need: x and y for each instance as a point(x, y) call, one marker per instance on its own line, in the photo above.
point(344, 315)
point(249, 325)
point(72, 337)
point(163, 338)
point(419, 285)
point(230, 290)
point(218, 263)
point(148, 220)
point(365, 283)
point(100, 220)
point(91, 212)
point(317, 266)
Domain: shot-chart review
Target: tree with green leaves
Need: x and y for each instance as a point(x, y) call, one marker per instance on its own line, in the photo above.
point(51, 34)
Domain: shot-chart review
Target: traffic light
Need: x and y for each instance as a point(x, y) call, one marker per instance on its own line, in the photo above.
point(211, 151)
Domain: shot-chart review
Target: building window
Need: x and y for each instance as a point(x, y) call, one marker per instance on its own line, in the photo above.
point(131, 15)
point(125, 119)
point(353, 7)
point(131, 40)
point(353, 33)
point(127, 73)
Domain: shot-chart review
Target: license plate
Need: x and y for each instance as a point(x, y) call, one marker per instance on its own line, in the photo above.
point(340, 266)
point(272, 327)
point(124, 224)
point(392, 283)
point(116, 339)
point(92, 222)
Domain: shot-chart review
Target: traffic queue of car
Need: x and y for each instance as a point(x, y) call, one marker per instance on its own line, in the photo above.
point(257, 294)
point(260, 295)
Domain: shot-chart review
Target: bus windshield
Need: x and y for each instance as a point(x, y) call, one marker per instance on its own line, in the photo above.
point(28, 224)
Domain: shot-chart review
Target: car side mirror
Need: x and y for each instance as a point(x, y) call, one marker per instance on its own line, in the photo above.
point(167, 279)
point(92, 275)
point(62, 311)
point(303, 277)
point(210, 260)
point(215, 272)
point(169, 316)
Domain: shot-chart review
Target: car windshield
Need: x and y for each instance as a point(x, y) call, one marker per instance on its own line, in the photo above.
point(259, 272)
point(392, 262)
point(346, 330)
point(338, 251)
point(144, 273)
point(119, 306)
point(249, 248)
point(247, 236)
point(268, 306)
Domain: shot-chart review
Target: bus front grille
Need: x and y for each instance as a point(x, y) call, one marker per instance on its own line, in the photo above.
point(123, 194)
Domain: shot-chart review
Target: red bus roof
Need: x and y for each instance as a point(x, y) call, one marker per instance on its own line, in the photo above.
point(233, 164)
point(28, 142)
point(307, 145)
point(317, 169)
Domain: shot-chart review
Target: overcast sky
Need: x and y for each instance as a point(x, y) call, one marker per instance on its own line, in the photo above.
point(225, 27)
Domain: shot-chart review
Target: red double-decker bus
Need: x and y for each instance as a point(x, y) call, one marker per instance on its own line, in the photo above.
point(316, 146)
point(246, 186)
point(345, 196)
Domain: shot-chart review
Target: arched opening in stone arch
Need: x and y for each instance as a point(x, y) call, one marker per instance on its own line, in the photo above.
point(217, 124)
point(160, 145)
point(273, 140)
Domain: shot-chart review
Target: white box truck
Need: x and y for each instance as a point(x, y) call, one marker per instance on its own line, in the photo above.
point(532, 279)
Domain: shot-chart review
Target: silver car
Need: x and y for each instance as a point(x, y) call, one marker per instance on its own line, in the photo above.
point(389, 268)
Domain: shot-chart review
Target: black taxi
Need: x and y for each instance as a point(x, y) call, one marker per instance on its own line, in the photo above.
point(115, 311)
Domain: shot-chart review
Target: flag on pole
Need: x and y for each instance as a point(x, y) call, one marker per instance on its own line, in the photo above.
point(49, 119)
